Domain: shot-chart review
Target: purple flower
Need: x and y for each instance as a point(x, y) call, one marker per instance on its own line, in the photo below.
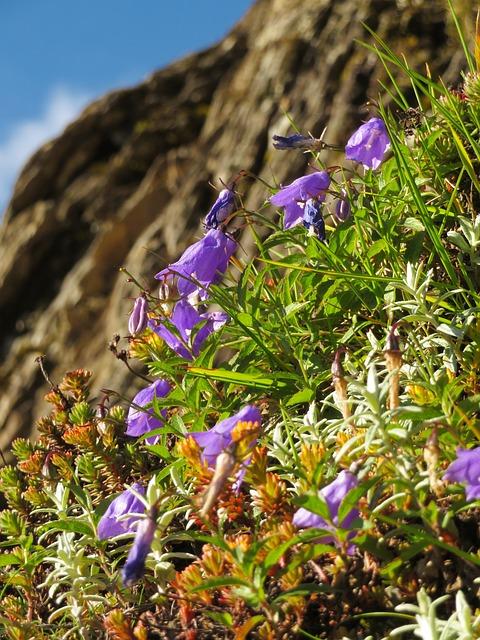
point(223, 206)
point(126, 503)
point(313, 219)
point(185, 318)
point(342, 207)
point(138, 318)
point(205, 262)
point(135, 564)
point(142, 421)
point(295, 141)
point(466, 468)
point(219, 437)
point(300, 190)
point(369, 144)
point(333, 494)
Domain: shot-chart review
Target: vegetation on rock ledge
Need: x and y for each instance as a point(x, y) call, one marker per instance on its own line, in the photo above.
point(352, 349)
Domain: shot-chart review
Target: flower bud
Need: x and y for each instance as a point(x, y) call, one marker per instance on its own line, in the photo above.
point(138, 318)
point(295, 141)
point(223, 206)
point(342, 208)
point(313, 219)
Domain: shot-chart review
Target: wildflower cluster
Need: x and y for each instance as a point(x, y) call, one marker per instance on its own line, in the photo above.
point(303, 458)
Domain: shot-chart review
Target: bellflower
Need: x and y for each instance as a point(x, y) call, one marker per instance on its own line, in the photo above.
point(135, 564)
point(126, 503)
point(295, 141)
point(142, 421)
point(313, 219)
point(369, 144)
point(219, 437)
point(185, 318)
point(138, 318)
point(466, 468)
point(223, 206)
point(300, 190)
point(205, 262)
point(333, 494)
point(342, 207)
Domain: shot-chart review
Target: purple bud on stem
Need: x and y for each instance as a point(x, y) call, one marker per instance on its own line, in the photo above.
point(295, 141)
point(342, 207)
point(138, 318)
point(313, 219)
point(223, 206)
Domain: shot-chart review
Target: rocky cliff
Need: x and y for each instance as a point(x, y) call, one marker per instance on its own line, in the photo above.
point(127, 184)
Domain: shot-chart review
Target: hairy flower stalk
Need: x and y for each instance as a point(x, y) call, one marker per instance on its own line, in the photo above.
point(431, 454)
point(393, 358)
point(340, 385)
point(224, 466)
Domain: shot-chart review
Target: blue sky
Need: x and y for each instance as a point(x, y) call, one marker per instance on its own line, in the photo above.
point(56, 55)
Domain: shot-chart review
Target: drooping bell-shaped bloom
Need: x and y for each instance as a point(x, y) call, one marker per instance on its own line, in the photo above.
point(124, 504)
point(333, 494)
point(138, 318)
point(313, 219)
point(186, 318)
point(140, 421)
point(223, 206)
point(219, 437)
point(369, 144)
point(201, 265)
point(135, 564)
point(295, 141)
point(299, 191)
point(342, 206)
point(466, 468)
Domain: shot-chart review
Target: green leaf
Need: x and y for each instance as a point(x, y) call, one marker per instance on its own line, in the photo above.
point(160, 450)
point(257, 381)
point(72, 525)
point(305, 590)
point(8, 559)
point(245, 318)
point(351, 499)
point(293, 308)
point(222, 617)
point(222, 581)
point(301, 397)
point(316, 504)
point(274, 555)
point(347, 275)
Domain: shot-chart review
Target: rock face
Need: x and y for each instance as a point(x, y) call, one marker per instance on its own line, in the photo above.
point(128, 182)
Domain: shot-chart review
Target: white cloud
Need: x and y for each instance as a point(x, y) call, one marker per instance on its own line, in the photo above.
point(62, 106)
